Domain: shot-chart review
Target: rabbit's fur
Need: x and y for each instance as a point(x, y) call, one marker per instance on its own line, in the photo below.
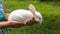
point(20, 15)
point(25, 15)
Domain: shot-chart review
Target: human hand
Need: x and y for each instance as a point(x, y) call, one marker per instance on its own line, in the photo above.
point(31, 22)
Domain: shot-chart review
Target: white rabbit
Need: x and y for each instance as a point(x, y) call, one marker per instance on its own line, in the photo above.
point(25, 15)
point(38, 16)
point(20, 15)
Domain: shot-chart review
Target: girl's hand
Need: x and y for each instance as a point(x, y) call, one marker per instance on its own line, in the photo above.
point(31, 22)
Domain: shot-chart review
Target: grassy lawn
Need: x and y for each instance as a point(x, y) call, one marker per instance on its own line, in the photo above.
point(49, 10)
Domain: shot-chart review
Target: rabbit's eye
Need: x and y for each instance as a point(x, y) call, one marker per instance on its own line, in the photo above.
point(39, 18)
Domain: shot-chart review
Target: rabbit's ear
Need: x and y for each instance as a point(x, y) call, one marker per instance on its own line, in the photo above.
point(32, 8)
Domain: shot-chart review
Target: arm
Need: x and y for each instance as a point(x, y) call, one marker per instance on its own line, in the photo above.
point(13, 24)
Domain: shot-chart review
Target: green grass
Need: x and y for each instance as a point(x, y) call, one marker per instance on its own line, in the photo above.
point(49, 10)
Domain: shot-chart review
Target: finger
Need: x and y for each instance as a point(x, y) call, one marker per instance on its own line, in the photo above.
point(33, 18)
point(29, 21)
point(36, 21)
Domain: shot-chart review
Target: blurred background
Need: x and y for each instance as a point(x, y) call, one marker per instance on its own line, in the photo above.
point(50, 10)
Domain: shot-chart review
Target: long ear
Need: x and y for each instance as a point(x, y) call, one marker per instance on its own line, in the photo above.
point(32, 8)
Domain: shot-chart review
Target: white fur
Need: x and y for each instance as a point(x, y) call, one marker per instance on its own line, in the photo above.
point(20, 15)
point(25, 15)
point(38, 16)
